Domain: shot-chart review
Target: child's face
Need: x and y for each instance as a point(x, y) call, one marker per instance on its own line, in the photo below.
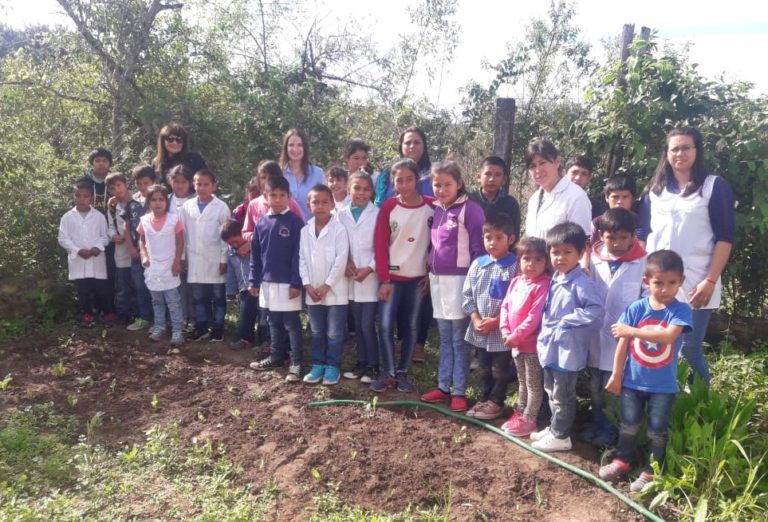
point(579, 175)
point(497, 243)
point(545, 173)
point(565, 257)
point(100, 166)
point(532, 264)
point(277, 200)
point(158, 204)
point(251, 193)
point(491, 179)
point(83, 199)
point(357, 159)
point(664, 285)
point(320, 204)
point(119, 189)
point(617, 242)
point(360, 191)
point(180, 186)
point(338, 186)
point(446, 188)
point(235, 242)
point(619, 199)
point(204, 187)
point(404, 181)
point(143, 184)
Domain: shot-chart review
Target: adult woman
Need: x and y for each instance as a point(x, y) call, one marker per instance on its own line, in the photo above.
point(557, 199)
point(172, 150)
point(301, 175)
point(690, 211)
point(412, 144)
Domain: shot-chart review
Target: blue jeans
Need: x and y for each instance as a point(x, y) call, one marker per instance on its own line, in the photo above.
point(455, 356)
point(328, 325)
point(561, 390)
point(187, 306)
point(124, 303)
point(285, 332)
point(364, 315)
point(171, 299)
point(210, 305)
point(405, 299)
point(633, 404)
point(692, 349)
point(597, 380)
point(249, 314)
point(233, 266)
point(143, 297)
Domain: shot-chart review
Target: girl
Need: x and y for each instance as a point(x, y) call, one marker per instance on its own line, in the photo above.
point(259, 206)
point(355, 155)
point(301, 175)
point(180, 179)
point(359, 219)
point(323, 254)
point(161, 245)
point(401, 241)
point(520, 320)
point(173, 150)
point(457, 239)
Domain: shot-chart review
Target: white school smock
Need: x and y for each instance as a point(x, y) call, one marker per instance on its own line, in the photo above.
point(323, 259)
point(77, 232)
point(175, 203)
point(682, 224)
point(161, 249)
point(275, 297)
point(360, 235)
point(203, 245)
point(566, 202)
point(447, 293)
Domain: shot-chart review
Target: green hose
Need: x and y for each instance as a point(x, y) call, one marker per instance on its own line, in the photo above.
point(573, 469)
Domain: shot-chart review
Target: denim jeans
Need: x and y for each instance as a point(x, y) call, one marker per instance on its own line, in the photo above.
point(249, 314)
point(692, 348)
point(494, 375)
point(171, 299)
point(455, 355)
point(597, 380)
point(364, 315)
point(633, 404)
point(328, 325)
point(125, 305)
point(561, 389)
point(404, 300)
point(233, 266)
point(187, 306)
point(210, 305)
point(143, 297)
point(285, 332)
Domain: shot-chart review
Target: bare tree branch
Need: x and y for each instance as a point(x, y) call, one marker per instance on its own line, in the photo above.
point(56, 92)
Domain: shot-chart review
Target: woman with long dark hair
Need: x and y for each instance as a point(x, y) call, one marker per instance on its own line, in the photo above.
point(411, 144)
point(300, 173)
point(173, 150)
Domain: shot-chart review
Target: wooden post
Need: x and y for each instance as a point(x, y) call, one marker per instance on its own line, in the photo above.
point(645, 35)
point(503, 120)
point(627, 35)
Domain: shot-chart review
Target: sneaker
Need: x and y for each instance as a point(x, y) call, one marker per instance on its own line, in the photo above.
point(383, 383)
point(513, 421)
point(550, 443)
point(265, 364)
point(418, 354)
point(538, 435)
point(458, 403)
point(294, 373)
point(370, 375)
point(436, 395)
point(86, 321)
point(522, 428)
point(315, 374)
point(403, 384)
point(138, 324)
point(487, 410)
point(110, 318)
point(640, 482)
point(199, 335)
point(188, 328)
point(177, 339)
point(240, 344)
point(156, 334)
point(332, 375)
point(355, 373)
point(216, 336)
point(474, 409)
point(616, 470)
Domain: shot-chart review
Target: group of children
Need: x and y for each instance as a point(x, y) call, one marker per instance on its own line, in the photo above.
point(527, 304)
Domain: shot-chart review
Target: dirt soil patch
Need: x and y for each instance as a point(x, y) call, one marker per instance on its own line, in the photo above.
point(382, 460)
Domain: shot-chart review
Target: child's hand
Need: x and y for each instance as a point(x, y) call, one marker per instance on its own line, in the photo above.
point(621, 330)
point(614, 385)
point(145, 262)
point(384, 291)
point(508, 341)
point(133, 252)
point(95, 251)
point(244, 250)
point(84, 253)
point(222, 268)
point(363, 273)
point(118, 239)
point(486, 325)
point(176, 267)
point(112, 202)
point(350, 270)
point(254, 291)
point(322, 292)
point(424, 285)
point(312, 293)
point(293, 293)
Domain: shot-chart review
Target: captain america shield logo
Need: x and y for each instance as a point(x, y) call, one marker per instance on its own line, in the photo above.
point(652, 355)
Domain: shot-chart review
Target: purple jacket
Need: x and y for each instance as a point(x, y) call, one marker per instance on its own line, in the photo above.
point(457, 237)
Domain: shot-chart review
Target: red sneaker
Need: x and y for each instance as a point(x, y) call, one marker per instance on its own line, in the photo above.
point(86, 321)
point(110, 318)
point(458, 403)
point(512, 424)
point(436, 395)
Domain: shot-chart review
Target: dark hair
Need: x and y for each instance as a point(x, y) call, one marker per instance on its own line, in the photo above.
point(114, 177)
point(337, 172)
point(542, 148)
point(620, 182)
point(151, 191)
point(567, 233)
point(99, 153)
point(496, 162)
point(451, 168)
point(253, 184)
point(616, 219)
point(207, 173)
point(83, 185)
point(277, 183)
point(406, 163)
point(271, 167)
point(320, 188)
point(304, 143)
point(581, 161)
point(230, 228)
point(664, 170)
point(424, 162)
point(185, 172)
point(500, 222)
point(663, 261)
point(355, 145)
point(143, 171)
point(534, 245)
point(361, 174)
point(172, 129)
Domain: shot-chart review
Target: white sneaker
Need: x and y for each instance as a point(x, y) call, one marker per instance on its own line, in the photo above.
point(138, 324)
point(538, 435)
point(294, 373)
point(551, 443)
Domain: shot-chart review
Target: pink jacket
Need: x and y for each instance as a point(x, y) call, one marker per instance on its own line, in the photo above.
point(258, 207)
point(521, 312)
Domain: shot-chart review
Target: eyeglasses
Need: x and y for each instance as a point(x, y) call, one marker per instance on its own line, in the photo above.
point(174, 139)
point(683, 149)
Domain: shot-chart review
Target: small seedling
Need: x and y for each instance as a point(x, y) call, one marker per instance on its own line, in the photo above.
point(315, 474)
point(235, 413)
point(93, 423)
point(71, 400)
point(353, 454)
point(200, 416)
point(58, 369)
point(371, 406)
point(113, 385)
point(103, 334)
point(130, 455)
point(251, 427)
point(463, 436)
point(6, 382)
point(154, 402)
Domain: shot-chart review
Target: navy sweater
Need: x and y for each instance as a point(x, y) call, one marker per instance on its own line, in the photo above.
point(275, 250)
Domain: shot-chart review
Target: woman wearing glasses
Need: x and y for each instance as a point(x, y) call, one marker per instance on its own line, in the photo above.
point(690, 211)
point(172, 150)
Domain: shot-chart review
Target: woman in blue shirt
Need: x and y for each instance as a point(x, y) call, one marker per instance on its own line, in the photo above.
point(300, 173)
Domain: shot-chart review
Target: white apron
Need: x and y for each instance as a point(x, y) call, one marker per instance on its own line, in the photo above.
point(161, 247)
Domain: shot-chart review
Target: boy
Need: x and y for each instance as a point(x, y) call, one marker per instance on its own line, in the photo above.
point(143, 176)
point(579, 170)
point(618, 261)
point(83, 234)
point(484, 289)
point(571, 316)
point(275, 277)
point(492, 195)
point(206, 254)
point(619, 191)
point(337, 179)
point(651, 330)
